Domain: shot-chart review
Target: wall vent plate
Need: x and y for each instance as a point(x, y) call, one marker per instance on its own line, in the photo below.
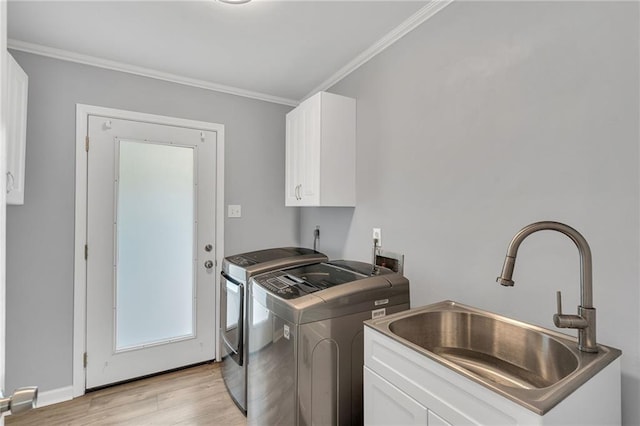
point(390, 260)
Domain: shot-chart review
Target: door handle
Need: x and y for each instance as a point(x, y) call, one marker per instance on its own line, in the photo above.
point(22, 400)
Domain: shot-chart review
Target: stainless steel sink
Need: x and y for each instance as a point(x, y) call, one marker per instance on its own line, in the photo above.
point(491, 348)
point(530, 365)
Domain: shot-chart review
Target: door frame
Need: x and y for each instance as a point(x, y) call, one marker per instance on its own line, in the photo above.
point(80, 266)
point(3, 197)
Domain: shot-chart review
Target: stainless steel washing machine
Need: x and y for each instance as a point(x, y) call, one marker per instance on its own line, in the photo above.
point(236, 271)
point(306, 335)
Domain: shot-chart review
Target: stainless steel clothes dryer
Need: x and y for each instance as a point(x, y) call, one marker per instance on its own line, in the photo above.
point(306, 340)
point(236, 271)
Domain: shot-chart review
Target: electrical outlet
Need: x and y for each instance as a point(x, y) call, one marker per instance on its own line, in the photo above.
point(377, 235)
point(235, 210)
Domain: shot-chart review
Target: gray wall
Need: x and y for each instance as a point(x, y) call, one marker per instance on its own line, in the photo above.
point(40, 234)
point(484, 119)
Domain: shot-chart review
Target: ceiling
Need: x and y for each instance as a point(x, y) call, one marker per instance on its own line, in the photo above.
point(280, 51)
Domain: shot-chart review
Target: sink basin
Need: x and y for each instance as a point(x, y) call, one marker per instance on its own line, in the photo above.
point(530, 365)
point(492, 348)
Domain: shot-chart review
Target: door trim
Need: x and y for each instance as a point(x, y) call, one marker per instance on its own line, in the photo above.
point(80, 266)
point(3, 184)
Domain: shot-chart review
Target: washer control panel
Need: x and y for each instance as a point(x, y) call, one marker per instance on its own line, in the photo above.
point(283, 285)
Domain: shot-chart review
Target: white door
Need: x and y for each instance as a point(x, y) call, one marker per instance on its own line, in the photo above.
point(151, 194)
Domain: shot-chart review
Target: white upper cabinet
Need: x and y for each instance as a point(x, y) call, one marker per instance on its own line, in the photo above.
point(16, 130)
point(321, 152)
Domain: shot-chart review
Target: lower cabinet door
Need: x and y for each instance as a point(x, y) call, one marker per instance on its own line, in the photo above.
point(385, 404)
point(436, 420)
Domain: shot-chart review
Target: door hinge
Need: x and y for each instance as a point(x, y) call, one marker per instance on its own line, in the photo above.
point(86, 143)
point(84, 359)
point(86, 251)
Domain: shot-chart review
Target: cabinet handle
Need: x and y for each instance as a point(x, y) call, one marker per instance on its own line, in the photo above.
point(10, 182)
point(298, 192)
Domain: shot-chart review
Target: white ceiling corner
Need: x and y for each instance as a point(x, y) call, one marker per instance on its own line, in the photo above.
point(277, 51)
point(396, 34)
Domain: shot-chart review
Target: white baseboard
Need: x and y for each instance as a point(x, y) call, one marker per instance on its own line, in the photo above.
point(54, 396)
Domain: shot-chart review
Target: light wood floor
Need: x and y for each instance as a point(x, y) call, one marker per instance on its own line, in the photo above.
point(195, 396)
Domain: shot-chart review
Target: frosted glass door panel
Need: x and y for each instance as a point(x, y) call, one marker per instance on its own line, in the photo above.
point(155, 225)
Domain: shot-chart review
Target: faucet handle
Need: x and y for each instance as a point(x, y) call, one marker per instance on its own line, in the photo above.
point(559, 319)
point(567, 321)
point(559, 302)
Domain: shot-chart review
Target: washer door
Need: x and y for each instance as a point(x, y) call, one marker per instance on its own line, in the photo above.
point(232, 317)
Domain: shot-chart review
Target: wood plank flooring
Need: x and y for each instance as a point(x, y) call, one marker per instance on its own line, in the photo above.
point(194, 396)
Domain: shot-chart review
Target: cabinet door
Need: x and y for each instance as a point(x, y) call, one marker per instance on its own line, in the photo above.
point(16, 130)
point(310, 152)
point(294, 136)
point(303, 139)
point(436, 420)
point(385, 404)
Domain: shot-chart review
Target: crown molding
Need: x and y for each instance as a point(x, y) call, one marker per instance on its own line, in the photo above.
point(66, 55)
point(422, 15)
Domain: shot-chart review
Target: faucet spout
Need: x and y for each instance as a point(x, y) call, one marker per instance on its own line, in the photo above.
point(585, 321)
point(505, 277)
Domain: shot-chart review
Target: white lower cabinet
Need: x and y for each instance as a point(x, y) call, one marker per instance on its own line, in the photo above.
point(403, 387)
point(435, 420)
point(385, 404)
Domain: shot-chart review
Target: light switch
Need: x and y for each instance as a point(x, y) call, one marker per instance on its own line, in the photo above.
point(235, 210)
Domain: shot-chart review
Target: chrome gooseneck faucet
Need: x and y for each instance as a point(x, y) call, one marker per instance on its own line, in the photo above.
point(585, 321)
